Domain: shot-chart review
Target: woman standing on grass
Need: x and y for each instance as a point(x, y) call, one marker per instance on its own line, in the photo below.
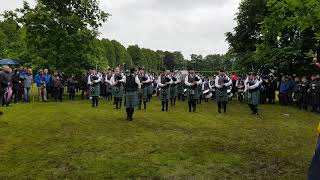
point(94, 83)
point(132, 85)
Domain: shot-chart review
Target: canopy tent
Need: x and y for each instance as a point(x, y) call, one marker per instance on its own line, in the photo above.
point(9, 62)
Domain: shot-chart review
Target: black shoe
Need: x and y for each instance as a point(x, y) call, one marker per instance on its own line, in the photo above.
point(219, 111)
point(162, 109)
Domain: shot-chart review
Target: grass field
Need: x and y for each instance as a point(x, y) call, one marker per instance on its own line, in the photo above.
point(71, 140)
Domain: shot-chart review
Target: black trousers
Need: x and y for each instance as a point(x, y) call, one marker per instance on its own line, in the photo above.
point(164, 105)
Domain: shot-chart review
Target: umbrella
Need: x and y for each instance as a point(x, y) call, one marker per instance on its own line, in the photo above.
point(8, 62)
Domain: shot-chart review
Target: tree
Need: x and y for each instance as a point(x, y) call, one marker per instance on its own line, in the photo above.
point(61, 34)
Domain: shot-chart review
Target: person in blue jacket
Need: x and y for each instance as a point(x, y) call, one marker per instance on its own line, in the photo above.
point(41, 84)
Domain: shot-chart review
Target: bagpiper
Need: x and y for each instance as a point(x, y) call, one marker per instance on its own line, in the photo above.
point(164, 82)
point(143, 92)
point(252, 91)
point(192, 82)
point(174, 88)
point(222, 83)
point(117, 81)
point(94, 80)
point(132, 85)
point(108, 85)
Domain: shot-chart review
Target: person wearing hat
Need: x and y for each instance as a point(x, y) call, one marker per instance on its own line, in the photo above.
point(192, 81)
point(41, 84)
point(222, 83)
point(252, 91)
point(164, 82)
point(143, 92)
point(132, 85)
point(117, 81)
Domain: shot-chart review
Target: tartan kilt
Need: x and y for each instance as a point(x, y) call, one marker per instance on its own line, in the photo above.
point(108, 88)
point(95, 90)
point(118, 92)
point(193, 94)
point(165, 94)
point(131, 99)
point(173, 91)
point(222, 95)
point(150, 89)
point(253, 97)
point(143, 93)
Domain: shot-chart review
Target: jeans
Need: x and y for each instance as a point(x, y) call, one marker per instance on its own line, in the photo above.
point(314, 171)
point(26, 97)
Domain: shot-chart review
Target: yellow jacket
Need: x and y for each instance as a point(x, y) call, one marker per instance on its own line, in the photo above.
point(319, 129)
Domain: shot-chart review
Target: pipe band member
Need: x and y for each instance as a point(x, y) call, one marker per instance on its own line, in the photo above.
point(222, 83)
point(117, 81)
point(94, 83)
point(132, 85)
point(192, 82)
point(252, 91)
point(164, 82)
point(174, 88)
point(143, 92)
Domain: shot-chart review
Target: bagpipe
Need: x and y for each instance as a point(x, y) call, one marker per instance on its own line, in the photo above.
point(118, 79)
point(195, 81)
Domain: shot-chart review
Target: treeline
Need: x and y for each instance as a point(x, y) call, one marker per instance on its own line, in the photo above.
point(63, 35)
point(276, 34)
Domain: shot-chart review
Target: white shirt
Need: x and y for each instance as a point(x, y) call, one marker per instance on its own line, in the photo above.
point(113, 82)
point(216, 83)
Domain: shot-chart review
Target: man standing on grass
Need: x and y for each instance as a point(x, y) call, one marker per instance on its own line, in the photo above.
point(132, 85)
point(314, 171)
point(222, 83)
point(192, 81)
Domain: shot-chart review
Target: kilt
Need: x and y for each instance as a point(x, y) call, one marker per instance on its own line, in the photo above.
point(173, 91)
point(150, 90)
point(164, 94)
point(193, 94)
point(118, 92)
point(200, 90)
point(109, 88)
point(253, 97)
point(143, 93)
point(222, 95)
point(131, 99)
point(95, 90)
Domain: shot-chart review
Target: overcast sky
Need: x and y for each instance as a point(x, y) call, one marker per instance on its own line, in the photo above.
point(189, 26)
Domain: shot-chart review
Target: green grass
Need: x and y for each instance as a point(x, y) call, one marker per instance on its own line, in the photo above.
point(71, 140)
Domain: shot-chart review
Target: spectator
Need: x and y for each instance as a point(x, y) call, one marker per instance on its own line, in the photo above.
point(283, 90)
point(17, 86)
point(57, 87)
point(41, 84)
point(48, 81)
point(6, 85)
point(27, 82)
point(71, 87)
